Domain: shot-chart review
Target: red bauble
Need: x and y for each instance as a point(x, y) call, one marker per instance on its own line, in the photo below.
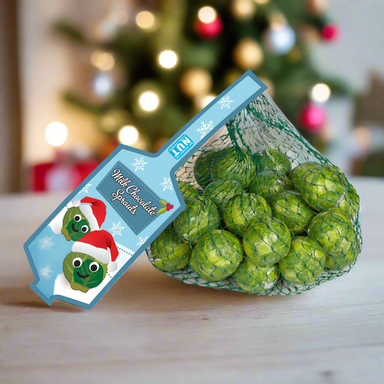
point(210, 30)
point(312, 118)
point(330, 32)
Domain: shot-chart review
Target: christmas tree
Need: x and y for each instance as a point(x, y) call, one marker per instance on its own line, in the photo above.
point(155, 69)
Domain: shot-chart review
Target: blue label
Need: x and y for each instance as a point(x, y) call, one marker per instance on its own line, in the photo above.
point(136, 204)
point(181, 146)
point(123, 206)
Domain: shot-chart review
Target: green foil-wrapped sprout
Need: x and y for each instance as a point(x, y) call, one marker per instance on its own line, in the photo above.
point(334, 232)
point(297, 174)
point(221, 191)
point(269, 183)
point(241, 210)
point(275, 160)
point(200, 216)
point(304, 263)
point(256, 278)
point(188, 191)
point(349, 205)
point(216, 255)
point(292, 210)
point(230, 164)
point(266, 243)
point(170, 252)
point(202, 168)
point(323, 188)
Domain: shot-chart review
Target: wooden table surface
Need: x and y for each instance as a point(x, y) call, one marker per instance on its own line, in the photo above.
point(153, 329)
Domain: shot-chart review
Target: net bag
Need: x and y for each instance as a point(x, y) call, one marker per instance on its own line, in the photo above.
point(265, 213)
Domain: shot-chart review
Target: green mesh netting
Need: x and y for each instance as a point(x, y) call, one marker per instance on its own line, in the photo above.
point(265, 212)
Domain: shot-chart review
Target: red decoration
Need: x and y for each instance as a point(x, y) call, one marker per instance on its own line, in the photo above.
point(330, 32)
point(41, 175)
point(159, 143)
point(312, 118)
point(210, 30)
point(108, 148)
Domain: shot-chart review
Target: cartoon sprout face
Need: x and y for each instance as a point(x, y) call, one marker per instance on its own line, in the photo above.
point(75, 225)
point(83, 271)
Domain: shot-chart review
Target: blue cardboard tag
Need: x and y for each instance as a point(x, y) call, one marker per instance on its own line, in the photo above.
point(133, 200)
point(100, 229)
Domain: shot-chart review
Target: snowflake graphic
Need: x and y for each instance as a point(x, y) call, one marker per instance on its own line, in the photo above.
point(85, 188)
point(116, 229)
point(139, 164)
point(205, 128)
point(142, 240)
point(225, 102)
point(45, 272)
point(46, 243)
point(167, 184)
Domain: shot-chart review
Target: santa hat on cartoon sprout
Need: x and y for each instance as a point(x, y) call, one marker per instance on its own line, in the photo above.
point(94, 213)
point(100, 245)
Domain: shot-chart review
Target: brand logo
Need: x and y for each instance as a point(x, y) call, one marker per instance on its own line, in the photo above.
point(181, 146)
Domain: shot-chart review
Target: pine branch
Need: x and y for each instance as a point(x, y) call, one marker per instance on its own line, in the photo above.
point(338, 86)
point(78, 101)
point(70, 31)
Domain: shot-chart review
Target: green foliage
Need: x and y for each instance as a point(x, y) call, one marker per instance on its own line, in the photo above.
point(71, 31)
point(161, 211)
point(136, 53)
point(79, 101)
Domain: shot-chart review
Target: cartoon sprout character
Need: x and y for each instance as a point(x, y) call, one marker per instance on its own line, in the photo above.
point(79, 218)
point(86, 266)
